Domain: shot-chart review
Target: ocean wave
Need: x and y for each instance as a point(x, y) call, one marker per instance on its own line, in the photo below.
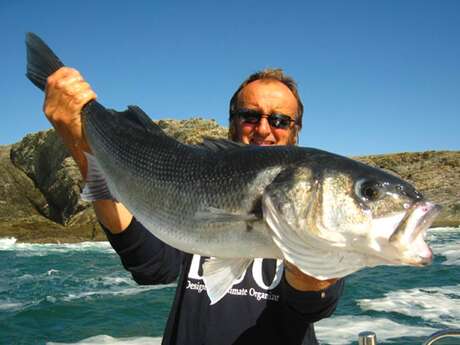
point(7, 242)
point(344, 330)
point(435, 234)
point(129, 291)
point(440, 234)
point(115, 284)
point(111, 281)
point(437, 304)
point(19, 306)
point(10, 244)
point(449, 251)
point(445, 242)
point(11, 306)
point(108, 340)
point(443, 229)
point(14, 306)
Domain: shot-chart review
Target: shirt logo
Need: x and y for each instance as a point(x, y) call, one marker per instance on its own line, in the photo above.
point(195, 273)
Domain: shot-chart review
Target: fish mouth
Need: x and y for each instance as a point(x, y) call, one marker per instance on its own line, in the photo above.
point(409, 235)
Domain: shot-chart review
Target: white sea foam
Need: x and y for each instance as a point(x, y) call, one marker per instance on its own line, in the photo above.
point(108, 340)
point(344, 330)
point(447, 228)
point(10, 306)
point(10, 243)
point(446, 242)
point(133, 289)
point(440, 233)
point(129, 291)
point(51, 299)
point(41, 276)
point(7, 242)
point(451, 251)
point(436, 304)
point(110, 281)
point(25, 277)
point(117, 280)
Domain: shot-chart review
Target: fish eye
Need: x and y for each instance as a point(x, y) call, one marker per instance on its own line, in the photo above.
point(368, 190)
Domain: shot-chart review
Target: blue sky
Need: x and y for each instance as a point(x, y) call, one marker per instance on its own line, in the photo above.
point(375, 76)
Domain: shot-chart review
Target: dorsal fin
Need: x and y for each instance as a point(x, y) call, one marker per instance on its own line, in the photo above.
point(138, 118)
point(218, 145)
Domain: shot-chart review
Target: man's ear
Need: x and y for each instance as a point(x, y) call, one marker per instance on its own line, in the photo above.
point(294, 137)
point(233, 132)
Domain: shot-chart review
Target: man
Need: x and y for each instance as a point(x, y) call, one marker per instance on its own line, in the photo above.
point(267, 305)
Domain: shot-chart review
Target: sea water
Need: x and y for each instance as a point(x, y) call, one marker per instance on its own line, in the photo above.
point(80, 294)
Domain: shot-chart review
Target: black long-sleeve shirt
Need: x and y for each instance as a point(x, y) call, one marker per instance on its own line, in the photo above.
point(262, 308)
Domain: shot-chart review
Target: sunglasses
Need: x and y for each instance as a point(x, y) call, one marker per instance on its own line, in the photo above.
point(279, 121)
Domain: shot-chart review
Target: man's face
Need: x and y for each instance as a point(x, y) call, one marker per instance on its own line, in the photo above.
point(267, 97)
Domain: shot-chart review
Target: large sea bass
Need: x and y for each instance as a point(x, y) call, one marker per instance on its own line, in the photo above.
point(327, 214)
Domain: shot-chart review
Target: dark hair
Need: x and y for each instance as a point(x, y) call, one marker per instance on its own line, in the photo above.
point(266, 74)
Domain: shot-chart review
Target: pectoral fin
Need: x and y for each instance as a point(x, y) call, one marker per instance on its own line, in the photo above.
point(220, 274)
point(212, 214)
point(96, 187)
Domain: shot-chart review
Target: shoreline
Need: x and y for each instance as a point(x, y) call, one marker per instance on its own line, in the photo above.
point(55, 236)
point(53, 233)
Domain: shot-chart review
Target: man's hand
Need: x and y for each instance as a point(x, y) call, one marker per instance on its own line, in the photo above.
point(66, 94)
point(302, 282)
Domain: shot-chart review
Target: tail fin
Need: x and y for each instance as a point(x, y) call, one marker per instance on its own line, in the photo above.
point(41, 61)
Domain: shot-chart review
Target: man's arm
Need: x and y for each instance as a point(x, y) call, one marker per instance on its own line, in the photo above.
point(149, 260)
point(65, 96)
point(311, 301)
point(303, 282)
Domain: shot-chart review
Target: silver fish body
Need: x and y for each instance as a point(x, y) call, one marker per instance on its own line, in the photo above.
point(201, 199)
point(327, 214)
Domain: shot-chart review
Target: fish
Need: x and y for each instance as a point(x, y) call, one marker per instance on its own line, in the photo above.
point(327, 214)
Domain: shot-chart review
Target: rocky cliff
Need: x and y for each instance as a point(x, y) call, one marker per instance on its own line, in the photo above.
point(40, 184)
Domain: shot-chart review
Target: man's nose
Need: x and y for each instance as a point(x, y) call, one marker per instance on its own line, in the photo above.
point(263, 127)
